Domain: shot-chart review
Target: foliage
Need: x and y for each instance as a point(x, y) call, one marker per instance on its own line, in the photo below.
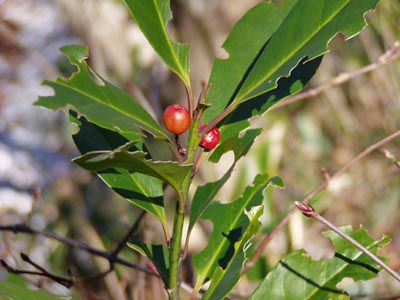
point(10, 291)
point(222, 258)
point(142, 190)
point(158, 254)
point(273, 52)
point(99, 101)
point(152, 17)
point(299, 276)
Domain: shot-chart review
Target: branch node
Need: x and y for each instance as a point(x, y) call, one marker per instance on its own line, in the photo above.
point(326, 174)
point(305, 209)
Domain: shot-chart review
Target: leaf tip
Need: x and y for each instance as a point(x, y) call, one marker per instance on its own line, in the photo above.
point(75, 53)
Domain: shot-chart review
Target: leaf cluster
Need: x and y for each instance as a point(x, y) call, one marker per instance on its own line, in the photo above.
point(274, 51)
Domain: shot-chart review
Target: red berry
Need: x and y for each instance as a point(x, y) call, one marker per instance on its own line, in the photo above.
point(211, 139)
point(176, 119)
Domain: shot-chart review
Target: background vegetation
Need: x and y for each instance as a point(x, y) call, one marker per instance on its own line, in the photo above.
point(299, 140)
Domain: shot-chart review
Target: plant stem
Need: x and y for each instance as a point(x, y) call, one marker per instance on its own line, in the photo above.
point(175, 251)
point(392, 54)
point(310, 212)
point(194, 140)
point(175, 150)
point(267, 238)
point(189, 94)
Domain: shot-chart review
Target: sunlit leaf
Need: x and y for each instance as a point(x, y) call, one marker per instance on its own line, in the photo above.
point(152, 17)
point(287, 86)
point(224, 279)
point(298, 276)
point(229, 229)
point(205, 194)
point(270, 40)
point(239, 145)
point(158, 254)
point(136, 162)
point(98, 100)
point(143, 191)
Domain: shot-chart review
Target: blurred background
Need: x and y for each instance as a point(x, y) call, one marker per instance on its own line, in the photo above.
point(299, 140)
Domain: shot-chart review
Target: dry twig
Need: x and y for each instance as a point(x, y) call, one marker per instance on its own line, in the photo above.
point(112, 257)
point(392, 54)
point(310, 212)
point(261, 247)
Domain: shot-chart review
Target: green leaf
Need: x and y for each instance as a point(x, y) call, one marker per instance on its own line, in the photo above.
point(271, 40)
point(152, 17)
point(224, 279)
point(99, 101)
point(287, 86)
point(206, 193)
point(239, 144)
point(158, 254)
point(298, 276)
point(10, 291)
point(230, 229)
point(142, 190)
point(136, 162)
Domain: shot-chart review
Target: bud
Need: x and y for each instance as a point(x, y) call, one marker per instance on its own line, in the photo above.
point(306, 209)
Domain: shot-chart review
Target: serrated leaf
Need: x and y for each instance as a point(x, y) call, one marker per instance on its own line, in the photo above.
point(98, 100)
point(152, 17)
point(230, 229)
point(136, 162)
point(142, 190)
point(205, 194)
point(298, 276)
point(158, 254)
point(271, 40)
point(10, 291)
point(287, 86)
point(224, 279)
point(239, 145)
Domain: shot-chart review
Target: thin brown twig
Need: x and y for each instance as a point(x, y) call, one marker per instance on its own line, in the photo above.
point(23, 228)
point(175, 150)
point(96, 276)
point(266, 240)
point(128, 235)
point(218, 119)
point(189, 94)
point(390, 156)
point(42, 273)
point(392, 54)
point(197, 160)
point(310, 212)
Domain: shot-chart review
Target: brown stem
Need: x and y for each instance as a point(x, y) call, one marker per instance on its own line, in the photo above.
point(393, 53)
point(310, 212)
point(189, 94)
point(23, 228)
point(390, 156)
point(129, 235)
point(265, 241)
point(64, 281)
point(218, 119)
point(176, 152)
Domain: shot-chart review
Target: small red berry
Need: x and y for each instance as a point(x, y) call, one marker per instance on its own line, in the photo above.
point(176, 119)
point(211, 139)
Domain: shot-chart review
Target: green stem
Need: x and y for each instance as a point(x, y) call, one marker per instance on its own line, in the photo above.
point(175, 253)
point(194, 140)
